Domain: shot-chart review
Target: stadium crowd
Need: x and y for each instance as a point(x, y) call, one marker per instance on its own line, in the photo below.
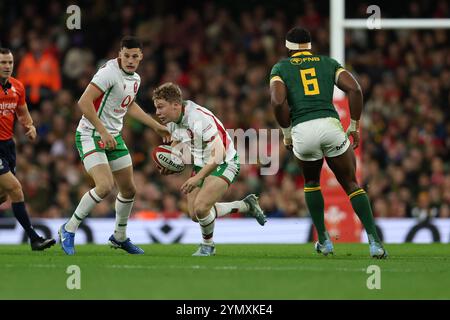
point(222, 60)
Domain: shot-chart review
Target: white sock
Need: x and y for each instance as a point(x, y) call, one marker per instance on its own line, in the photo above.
point(123, 210)
point(87, 203)
point(224, 208)
point(207, 226)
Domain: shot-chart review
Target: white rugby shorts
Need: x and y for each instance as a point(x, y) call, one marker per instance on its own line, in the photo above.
point(314, 139)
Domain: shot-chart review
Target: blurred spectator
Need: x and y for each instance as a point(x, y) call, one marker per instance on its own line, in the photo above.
point(39, 71)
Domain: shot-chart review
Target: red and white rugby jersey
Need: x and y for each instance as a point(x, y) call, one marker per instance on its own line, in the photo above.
point(197, 127)
point(119, 91)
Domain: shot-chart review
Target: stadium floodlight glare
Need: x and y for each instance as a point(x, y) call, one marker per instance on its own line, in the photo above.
point(338, 24)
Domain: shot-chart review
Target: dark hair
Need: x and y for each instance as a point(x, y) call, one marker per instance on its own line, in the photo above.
point(298, 35)
point(5, 51)
point(130, 42)
point(168, 91)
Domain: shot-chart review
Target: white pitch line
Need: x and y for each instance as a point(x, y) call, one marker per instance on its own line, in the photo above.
point(228, 267)
point(30, 265)
point(241, 268)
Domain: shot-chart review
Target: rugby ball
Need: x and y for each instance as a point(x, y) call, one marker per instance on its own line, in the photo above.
point(167, 158)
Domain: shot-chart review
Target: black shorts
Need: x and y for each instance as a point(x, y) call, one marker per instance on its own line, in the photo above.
point(7, 156)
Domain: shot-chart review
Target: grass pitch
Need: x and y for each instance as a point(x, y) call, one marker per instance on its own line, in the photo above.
point(237, 272)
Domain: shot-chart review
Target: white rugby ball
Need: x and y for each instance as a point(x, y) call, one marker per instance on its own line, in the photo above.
point(165, 157)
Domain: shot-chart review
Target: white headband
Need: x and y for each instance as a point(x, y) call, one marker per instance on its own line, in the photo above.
point(298, 46)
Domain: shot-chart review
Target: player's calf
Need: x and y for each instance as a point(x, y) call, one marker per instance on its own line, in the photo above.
point(14, 191)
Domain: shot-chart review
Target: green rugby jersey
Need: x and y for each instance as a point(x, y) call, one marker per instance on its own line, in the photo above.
point(309, 80)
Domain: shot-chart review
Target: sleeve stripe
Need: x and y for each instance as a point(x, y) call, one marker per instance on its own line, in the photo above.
point(97, 86)
point(276, 78)
point(338, 72)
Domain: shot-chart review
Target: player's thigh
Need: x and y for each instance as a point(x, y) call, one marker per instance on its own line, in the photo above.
point(119, 158)
point(94, 160)
point(125, 182)
point(89, 150)
point(343, 167)
point(102, 176)
point(8, 181)
point(311, 170)
point(212, 191)
point(306, 141)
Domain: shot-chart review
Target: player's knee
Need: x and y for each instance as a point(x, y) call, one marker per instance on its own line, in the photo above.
point(350, 186)
point(191, 213)
point(128, 192)
point(193, 217)
point(104, 188)
point(201, 209)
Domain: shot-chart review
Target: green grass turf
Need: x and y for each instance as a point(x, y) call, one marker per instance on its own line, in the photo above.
point(237, 272)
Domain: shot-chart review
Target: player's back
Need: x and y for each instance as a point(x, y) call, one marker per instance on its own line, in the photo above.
point(309, 80)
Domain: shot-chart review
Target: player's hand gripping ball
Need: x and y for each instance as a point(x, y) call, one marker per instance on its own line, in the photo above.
point(167, 158)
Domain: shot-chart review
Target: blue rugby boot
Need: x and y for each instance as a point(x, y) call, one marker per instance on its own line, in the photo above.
point(126, 245)
point(67, 240)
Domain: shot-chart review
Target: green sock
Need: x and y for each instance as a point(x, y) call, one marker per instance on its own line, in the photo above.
point(361, 205)
point(314, 201)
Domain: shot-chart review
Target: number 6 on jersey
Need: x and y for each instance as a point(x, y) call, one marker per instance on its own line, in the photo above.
point(311, 72)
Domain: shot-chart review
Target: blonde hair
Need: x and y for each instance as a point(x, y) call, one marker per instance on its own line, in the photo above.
point(168, 91)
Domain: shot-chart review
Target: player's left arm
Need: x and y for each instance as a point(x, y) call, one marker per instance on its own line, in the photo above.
point(218, 154)
point(24, 117)
point(135, 111)
point(347, 83)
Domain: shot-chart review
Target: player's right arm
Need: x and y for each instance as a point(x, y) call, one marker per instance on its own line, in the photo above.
point(347, 83)
point(278, 101)
point(86, 104)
